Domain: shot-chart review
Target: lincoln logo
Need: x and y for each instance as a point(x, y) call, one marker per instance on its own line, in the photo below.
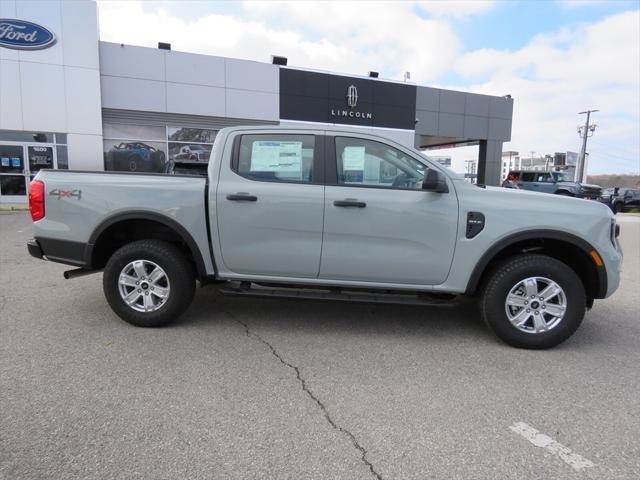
point(23, 35)
point(352, 96)
point(352, 102)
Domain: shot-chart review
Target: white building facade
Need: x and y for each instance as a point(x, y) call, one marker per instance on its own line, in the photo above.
point(73, 102)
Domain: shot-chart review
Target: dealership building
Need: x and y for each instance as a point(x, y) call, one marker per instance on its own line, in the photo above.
point(71, 101)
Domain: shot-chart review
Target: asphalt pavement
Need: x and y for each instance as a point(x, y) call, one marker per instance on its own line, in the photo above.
point(250, 388)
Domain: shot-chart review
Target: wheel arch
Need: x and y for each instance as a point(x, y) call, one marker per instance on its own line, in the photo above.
point(127, 227)
point(566, 247)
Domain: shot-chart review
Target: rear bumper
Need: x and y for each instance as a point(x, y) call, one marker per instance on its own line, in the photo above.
point(60, 251)
point(34, 249)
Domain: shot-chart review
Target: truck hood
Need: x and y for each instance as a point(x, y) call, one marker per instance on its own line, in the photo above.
point(554, 204)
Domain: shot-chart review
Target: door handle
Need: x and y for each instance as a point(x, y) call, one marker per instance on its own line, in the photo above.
point(349, 203)
point(242, 197)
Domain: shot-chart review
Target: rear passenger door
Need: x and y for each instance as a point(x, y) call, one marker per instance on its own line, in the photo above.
point(270, 202)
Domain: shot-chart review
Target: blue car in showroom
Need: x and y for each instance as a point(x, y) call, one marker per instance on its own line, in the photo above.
point(134, 156)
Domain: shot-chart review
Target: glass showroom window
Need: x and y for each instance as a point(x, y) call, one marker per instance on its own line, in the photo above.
point(190, 144)
point(158, 149)
point(134, 148)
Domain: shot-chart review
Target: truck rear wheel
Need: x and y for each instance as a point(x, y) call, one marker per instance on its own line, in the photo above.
point(533, 301)
point(148, 283)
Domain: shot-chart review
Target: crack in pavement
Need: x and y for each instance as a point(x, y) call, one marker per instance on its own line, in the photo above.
point(310, 394)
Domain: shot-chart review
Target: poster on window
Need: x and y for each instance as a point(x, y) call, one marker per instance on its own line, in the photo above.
point(134, 156)
point(353, 158)
point(277, 156)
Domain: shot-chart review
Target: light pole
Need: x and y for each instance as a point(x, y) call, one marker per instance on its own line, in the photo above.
point(585, 131)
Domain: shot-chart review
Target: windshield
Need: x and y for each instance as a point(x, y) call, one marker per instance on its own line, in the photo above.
point(561, 177)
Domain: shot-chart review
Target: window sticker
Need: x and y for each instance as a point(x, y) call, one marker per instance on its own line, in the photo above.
point(353, 158)
point(5, 161)
point(16, 162)
point(276, 156)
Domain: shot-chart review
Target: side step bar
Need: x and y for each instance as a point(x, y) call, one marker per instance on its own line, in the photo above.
point(337, 294)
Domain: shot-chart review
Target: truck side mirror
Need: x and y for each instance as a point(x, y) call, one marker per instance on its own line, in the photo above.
point(434, 181)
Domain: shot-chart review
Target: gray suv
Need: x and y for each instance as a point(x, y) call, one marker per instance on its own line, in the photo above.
point(551, 182)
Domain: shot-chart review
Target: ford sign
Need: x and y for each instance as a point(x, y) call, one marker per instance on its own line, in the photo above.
point(23, 35)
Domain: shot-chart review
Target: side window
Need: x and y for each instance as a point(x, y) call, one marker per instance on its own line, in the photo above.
point(276, 158)
point(369, 163)
point(543, 177)
point(528, 176)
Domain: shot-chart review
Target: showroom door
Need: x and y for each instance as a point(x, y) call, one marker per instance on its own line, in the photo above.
point(39, 157)
point(13, 173)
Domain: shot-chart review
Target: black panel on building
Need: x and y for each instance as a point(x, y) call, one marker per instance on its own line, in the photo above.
point(321, 97)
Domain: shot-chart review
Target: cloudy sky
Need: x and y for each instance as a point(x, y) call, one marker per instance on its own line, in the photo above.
point(556, 58)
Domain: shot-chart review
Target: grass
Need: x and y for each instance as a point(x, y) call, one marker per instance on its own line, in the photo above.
point(9, 207)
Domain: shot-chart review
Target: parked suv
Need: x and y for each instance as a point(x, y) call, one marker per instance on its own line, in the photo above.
point(551, 182)
point(329, 214)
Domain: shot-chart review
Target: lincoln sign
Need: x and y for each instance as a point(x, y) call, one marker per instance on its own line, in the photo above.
point(23, 35)
point(340, 99)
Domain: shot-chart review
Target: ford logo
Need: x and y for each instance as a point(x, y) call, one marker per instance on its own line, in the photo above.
point(23, 35)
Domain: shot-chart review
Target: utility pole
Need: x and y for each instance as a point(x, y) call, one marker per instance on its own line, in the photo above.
point(585, 131)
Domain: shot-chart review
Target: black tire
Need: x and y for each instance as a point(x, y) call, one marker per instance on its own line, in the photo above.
point(515, 269)
point(179, 272)
point(133, 162)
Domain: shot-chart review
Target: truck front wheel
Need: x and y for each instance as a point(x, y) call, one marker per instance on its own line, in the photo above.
point(533, 301)
point(148, 283)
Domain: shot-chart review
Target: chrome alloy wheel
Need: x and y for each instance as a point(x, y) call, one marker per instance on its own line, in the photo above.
point(144, 286)
point(536, 305)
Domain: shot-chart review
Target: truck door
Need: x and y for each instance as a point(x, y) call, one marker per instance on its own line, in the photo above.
point(380, 226)
point(270, 203)
point(544, 183)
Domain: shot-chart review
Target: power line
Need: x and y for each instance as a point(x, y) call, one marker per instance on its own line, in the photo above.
point(613, 155)
point(615, 147)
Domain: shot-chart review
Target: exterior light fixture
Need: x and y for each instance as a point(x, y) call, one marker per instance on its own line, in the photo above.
point(276, 60)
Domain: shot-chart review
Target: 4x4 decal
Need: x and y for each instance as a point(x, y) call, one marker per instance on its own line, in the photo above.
point(56, 192)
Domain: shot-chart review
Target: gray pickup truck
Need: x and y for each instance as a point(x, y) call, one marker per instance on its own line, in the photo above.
point(334, 215)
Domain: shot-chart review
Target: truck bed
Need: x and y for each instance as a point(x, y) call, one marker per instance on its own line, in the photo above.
point(79, 203)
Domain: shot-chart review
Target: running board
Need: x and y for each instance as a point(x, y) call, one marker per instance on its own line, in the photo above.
point(247, 289)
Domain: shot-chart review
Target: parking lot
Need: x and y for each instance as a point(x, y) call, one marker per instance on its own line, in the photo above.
point(249, 388)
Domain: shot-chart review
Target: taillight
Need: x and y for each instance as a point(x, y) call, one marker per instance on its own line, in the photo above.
point(36, 200)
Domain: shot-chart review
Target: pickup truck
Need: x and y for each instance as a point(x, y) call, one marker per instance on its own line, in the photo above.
point(329, 214)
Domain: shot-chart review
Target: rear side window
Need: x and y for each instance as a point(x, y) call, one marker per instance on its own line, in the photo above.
point(276, 158)
point(528, 176)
